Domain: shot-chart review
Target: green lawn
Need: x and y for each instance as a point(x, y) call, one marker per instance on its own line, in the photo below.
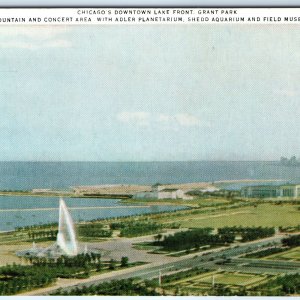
point(262, 215)
point(293, 255)
point(210, 201)
point(236, 279)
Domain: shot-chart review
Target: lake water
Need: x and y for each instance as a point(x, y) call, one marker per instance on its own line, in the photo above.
point(62, 175)
point(23, 211)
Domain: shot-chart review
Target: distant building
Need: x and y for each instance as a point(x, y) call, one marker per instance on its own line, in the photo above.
point(47, 191)
point(271, 191)
point(160, 192)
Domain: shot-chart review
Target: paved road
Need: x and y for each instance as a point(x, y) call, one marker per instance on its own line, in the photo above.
point(210, 260)
point(118, 247)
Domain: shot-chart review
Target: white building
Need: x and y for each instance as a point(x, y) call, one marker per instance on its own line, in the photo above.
point(160, 192)
point(271, 191)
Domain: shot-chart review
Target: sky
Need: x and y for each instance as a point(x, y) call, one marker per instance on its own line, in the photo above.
point(149, 92)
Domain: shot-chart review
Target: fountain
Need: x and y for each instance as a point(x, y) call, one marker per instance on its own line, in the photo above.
point(66, 243)
point(66, 237)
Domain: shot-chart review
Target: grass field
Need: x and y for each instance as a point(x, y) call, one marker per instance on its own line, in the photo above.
point(292, 255)
point(210, 201)
point(236, 279)
point(197, 202)
point(262, 215)
point(230, 279)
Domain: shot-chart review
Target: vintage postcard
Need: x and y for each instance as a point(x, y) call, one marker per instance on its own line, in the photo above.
point(149, 152)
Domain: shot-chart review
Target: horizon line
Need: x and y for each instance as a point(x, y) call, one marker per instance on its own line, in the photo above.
point(135, 161)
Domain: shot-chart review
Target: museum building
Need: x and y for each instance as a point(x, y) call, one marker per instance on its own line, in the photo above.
point(271, 191)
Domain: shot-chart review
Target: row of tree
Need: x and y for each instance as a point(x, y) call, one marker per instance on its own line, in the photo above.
point(194, 238)
point(80, 260)
point(38, 226)
point(292, 241)
point(265, 252)
point(248, 233)
point(43, 234)
point(86, 261)
point(131, 229)
point(94, 231)
point(241, 229)
point(124, 287)
point(289, 228)
point(167, 279)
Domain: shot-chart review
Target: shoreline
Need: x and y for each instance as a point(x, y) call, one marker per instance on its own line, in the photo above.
point(124, 192)
point(72, 208)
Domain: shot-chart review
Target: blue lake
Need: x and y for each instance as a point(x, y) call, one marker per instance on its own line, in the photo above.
point(23, 211)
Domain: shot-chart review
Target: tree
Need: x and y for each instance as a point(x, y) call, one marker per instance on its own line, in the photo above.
point(158, 237)
point(99, 265)
point(112, 264)
point(124, 261)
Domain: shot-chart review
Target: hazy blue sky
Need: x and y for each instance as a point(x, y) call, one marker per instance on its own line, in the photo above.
point(193, 92)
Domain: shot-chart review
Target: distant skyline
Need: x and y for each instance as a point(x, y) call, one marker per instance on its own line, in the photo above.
point(149, 92)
